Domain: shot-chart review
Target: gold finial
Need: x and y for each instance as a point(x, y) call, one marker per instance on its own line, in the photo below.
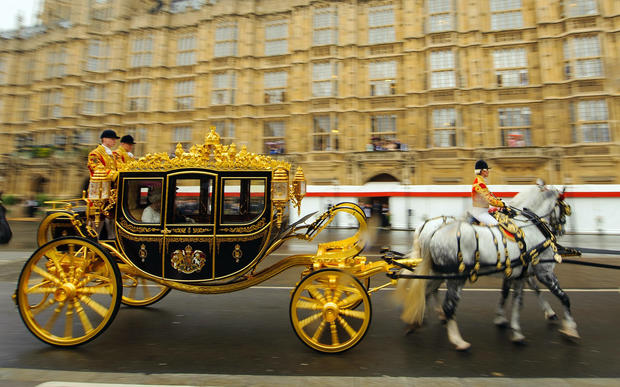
point(212, 138)
point(179, 151)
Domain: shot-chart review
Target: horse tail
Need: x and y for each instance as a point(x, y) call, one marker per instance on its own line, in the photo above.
point(403, 284)
point(412, 292)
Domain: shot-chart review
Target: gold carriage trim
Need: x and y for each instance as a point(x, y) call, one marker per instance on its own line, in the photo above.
point(212, 154)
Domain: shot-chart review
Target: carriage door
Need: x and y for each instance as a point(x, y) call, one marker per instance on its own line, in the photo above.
point(189, 227)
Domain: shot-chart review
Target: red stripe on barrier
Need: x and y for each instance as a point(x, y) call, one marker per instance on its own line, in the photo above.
point(451, 194)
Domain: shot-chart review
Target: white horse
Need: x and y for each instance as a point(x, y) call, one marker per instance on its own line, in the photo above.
point(440, 243)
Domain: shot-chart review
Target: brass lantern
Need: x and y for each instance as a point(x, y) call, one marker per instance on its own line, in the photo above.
point(100, 184)
point(299, 189)
point(279, 192)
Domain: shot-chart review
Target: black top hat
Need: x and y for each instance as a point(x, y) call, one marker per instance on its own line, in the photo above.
point(481, 164)
point(109, 133)
point(127, 139)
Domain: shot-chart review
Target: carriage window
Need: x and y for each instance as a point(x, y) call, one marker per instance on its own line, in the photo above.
point(244, 200)
point(193, 201)
point(140, 194)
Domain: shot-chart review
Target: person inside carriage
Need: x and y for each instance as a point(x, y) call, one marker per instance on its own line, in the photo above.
point(482, 198)
point(152, 213)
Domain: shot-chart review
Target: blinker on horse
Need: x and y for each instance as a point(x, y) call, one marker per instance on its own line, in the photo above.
point(446, 246)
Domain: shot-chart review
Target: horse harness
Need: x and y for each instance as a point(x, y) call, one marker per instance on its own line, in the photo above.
point(525, 257)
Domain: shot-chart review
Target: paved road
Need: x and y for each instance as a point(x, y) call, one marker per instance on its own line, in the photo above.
point(231, 336)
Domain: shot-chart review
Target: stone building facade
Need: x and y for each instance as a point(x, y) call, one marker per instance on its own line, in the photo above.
point(354, 91)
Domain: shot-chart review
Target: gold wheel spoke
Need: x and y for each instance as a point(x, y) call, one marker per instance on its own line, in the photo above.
point(97, 289)
point(41, 290)
point(94, 305)
point(42, 307)
point(308, 305)
point(59, 269)
point(315, 293)
point(310, 319)
point(346, 327)
point(334, 332)
point(52, 320)
point(352, 299)
point(46, 275)
point(353, 313)
point(83, 317)
point(319, 331)
point(308, 299)
point(69, 321)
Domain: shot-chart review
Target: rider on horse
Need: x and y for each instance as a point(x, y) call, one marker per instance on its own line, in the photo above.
point(481, 197)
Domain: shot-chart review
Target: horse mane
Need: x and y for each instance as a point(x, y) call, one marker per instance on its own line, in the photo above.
point(533, 198)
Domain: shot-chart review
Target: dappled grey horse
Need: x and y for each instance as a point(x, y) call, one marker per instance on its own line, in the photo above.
point(444, 245)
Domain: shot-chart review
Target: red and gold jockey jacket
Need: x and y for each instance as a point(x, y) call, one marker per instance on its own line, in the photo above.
point(99, 156)
point(481, 196)
point(122, 156)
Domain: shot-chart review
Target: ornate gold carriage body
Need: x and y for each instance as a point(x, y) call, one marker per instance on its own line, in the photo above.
point(199, 222)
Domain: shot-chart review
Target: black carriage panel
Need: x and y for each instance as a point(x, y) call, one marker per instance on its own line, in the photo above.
point(190, 226)
point(244, 221)
point(139, 220)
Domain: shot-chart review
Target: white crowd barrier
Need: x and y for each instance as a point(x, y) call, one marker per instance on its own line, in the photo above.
point(595, 207)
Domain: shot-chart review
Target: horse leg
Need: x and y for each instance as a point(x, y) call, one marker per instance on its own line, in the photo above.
point(453, 295)
point(432, 292)
point(500, 314)
point(517, 304)
point(544, 305)
point(569, 326)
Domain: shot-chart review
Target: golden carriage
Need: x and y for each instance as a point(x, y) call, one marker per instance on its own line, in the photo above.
point(221, 211)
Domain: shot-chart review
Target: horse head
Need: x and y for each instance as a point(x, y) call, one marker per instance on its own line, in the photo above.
point(547, 202)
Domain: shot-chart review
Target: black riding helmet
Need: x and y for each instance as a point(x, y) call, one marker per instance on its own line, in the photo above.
point(481, 164)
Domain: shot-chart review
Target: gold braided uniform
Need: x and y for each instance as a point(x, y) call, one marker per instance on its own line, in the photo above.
point(122, 156)
point(481, 196)
point(99, 156)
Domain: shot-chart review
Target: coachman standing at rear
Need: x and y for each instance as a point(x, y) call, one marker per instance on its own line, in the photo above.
point(481, 197)
point(103, 155)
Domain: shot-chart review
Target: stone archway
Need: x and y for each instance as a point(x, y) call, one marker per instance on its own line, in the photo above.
point(383, 178)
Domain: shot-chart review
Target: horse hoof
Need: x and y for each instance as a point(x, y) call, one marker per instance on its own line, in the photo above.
point(410, 328)
point(570, 333)
point(464, 346)
point(500, 321)
point(517, 338)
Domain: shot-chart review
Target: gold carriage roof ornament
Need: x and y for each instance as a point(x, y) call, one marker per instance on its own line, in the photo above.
point(212, 154)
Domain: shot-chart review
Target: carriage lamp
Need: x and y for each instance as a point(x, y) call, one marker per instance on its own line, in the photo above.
point(279, 192)
point(99, 190)
point(299, 189)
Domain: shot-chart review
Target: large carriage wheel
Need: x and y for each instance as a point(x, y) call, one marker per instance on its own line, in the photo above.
point(330, 310)
point(138, 291)
point(68, 291)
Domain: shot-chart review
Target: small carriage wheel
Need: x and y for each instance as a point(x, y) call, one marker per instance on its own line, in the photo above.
point(44, 231)
point(138, 291)
point(68, 291)
point(330, 310)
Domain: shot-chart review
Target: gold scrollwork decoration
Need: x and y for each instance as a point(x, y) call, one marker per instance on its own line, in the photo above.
point(246, 229)
point(212, 154)
point(138, 229)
